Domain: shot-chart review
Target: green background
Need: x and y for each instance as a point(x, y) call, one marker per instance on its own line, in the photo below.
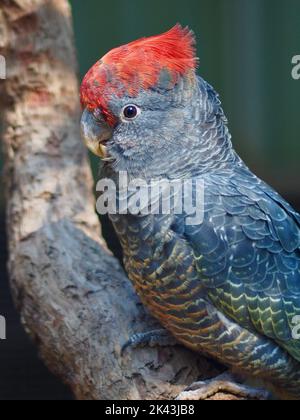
point(245, 49)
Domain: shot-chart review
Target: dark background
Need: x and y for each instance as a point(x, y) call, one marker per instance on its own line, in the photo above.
point(245, 49)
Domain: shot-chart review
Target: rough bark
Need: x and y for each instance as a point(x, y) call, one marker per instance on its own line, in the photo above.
point(75, 301)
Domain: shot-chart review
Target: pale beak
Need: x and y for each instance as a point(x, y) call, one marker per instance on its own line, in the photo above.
point(95, 134)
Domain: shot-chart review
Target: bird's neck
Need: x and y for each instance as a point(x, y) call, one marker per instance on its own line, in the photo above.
point(207, 139)
point(205, 143)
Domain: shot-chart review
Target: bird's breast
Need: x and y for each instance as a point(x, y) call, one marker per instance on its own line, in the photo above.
point(161, 267)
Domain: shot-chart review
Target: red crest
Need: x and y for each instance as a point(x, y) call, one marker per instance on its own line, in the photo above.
point(138, 65)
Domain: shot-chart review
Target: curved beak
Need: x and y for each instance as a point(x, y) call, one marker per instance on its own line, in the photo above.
point(95, 134)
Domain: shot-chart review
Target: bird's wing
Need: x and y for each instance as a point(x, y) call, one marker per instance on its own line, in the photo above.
point(247, 252)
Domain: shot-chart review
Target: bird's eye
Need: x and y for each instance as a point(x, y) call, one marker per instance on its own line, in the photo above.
point(97, 114)
point(130, 112)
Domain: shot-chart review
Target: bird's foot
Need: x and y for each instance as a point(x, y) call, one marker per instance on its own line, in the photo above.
point(155, 338)
point(223, 384)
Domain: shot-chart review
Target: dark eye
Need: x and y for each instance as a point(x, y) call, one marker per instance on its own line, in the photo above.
point(130, 112)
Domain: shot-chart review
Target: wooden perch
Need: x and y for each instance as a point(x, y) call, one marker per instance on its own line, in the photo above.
point(74, 299)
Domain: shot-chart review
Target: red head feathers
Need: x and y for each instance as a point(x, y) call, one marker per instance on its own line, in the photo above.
point(138, 65)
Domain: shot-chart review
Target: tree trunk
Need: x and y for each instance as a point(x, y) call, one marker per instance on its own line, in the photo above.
point(75, 301)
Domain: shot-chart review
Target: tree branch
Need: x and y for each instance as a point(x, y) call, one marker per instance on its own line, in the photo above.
point(75, 301)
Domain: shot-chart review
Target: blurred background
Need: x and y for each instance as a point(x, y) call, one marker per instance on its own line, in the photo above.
point(245, 49)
